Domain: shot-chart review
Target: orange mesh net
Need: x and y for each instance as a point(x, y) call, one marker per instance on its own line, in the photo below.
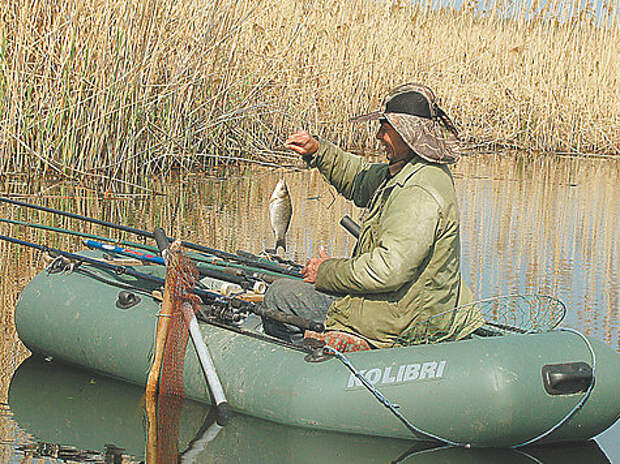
point(181, 277)
point(169, 409)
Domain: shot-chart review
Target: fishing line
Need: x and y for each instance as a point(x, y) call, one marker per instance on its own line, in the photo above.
point(211, 251)
point(387, 403)
point(393, 407)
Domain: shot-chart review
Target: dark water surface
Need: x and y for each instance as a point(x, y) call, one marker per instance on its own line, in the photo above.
point(542, 225)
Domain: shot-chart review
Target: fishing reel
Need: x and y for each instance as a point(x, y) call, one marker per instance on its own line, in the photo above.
point(316, 350)
point(220, 311)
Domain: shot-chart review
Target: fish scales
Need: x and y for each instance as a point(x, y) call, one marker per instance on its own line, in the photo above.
point(280, 212)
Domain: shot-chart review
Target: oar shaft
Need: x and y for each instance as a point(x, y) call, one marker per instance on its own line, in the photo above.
point(202, 351)
point(217, 392)
point(351, 226)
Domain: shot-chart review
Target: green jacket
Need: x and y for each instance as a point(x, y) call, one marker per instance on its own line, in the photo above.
point(405, 267)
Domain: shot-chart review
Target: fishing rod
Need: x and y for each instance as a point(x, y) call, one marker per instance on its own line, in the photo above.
point(144, 233)
point(274, 257)
point(231, 268)
point(231, 304)
point(244, 280)
point(76, 233)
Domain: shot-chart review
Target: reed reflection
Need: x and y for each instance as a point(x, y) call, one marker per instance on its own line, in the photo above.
point(80, 417)
point(546, 225)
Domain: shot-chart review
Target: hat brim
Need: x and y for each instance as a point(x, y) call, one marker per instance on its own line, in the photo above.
point(369, 117)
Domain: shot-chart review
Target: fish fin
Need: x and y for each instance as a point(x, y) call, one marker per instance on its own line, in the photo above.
point(281, 243)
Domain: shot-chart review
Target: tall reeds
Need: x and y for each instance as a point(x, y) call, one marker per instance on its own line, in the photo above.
point(123, 89)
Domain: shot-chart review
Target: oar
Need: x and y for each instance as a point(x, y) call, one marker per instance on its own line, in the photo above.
point(193, 246)
point(223, 408)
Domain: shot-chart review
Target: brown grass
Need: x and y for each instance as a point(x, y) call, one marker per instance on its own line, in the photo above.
point(120, 89)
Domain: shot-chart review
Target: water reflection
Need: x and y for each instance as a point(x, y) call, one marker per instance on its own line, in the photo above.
point(81, 417)
point(543, 224)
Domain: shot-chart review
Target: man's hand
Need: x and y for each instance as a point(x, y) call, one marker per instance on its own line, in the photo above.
point(312, 266)
point(303, 143)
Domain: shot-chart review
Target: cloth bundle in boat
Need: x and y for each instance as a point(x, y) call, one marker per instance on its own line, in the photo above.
point(340, 341)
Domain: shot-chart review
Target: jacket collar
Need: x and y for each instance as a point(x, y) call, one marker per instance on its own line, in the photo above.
point(409, 169)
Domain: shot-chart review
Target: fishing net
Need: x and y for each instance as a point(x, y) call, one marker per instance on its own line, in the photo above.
point(497, 316)
point(181, 277)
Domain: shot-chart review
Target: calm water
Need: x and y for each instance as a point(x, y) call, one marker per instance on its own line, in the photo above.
point(547, 225)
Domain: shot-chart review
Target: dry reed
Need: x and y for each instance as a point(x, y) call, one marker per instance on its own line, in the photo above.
point(117, 89)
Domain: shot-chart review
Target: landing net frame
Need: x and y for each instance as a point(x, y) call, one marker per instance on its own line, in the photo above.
point(496, 316)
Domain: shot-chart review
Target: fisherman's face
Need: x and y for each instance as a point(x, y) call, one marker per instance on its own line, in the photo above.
point(395, 147)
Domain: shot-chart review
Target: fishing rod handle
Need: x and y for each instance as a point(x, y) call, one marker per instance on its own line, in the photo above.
point(226, 277)
point(350, 225)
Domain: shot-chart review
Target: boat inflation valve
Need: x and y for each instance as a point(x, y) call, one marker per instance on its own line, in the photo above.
point(127, 299)
point(316, 350)
point(567, 379)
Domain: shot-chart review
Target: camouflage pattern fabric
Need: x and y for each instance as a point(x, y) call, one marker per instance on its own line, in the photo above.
point(435, 139)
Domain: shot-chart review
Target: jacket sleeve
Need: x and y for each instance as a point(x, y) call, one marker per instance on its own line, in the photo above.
point(353, 177)
point(404, 239)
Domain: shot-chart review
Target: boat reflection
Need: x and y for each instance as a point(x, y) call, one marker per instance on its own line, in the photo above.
point(76, 416)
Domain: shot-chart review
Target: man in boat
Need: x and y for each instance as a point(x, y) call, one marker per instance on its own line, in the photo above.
point(405, 267)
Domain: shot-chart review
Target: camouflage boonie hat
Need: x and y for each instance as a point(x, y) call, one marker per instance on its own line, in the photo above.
point(412, 111)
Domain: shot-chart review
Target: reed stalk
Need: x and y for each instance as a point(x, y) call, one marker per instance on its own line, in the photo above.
point(117, 90)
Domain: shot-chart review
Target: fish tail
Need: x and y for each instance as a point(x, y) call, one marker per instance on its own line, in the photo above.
point(281, 243)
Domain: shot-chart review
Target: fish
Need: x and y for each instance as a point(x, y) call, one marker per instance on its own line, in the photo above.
point(280, 213)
